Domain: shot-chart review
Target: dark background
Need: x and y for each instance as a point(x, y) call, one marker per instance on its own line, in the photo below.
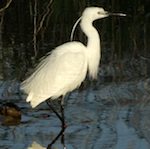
point(125, 41)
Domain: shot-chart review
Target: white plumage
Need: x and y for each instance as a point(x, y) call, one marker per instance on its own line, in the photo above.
point(62, 71)
point(66, 67)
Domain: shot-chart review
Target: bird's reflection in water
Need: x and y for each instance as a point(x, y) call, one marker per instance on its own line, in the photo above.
point(61, 134)
point(36, 146)
point(63, 125)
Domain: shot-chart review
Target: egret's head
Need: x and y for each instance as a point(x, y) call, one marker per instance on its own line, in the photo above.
point(91, 14)
point(94, 13)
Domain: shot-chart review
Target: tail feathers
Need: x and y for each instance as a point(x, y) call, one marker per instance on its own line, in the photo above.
point(30, 97)
point(34, 100)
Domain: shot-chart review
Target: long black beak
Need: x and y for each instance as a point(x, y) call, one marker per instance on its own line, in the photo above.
point(117, 14)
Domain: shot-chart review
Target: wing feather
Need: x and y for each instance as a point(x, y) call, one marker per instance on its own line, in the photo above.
point(57, 74)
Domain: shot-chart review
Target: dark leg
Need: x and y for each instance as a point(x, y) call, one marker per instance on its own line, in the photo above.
point(56, 138)
point(62, 119)
point(63, 122)
point(49, 103)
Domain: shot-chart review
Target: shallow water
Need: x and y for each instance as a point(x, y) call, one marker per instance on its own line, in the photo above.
point(114, 116)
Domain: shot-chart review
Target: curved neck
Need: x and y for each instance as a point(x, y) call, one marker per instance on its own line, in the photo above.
point(91, 33)
point(93, 47)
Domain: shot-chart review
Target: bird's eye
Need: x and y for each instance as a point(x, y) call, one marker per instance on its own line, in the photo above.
point(98, 12)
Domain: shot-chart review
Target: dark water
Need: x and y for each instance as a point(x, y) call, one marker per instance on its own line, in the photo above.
point(112, 116)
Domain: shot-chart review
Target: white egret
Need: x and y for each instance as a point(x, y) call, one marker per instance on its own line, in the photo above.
point(65, 68)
